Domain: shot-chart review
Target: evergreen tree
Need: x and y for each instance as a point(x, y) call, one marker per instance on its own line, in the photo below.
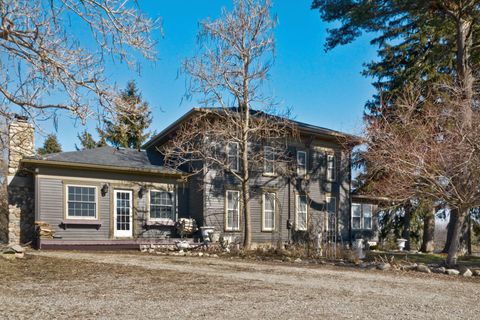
point(418, 41)
point(50, 145)
point(132, 116)
point(88, 142)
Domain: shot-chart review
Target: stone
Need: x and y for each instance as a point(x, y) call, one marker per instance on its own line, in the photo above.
point(466, 272)
point(20, 255)
point(8, 256)
point(200, 254)
point(423, 268)
point(439, 270)
point(298, 260)
point(476, 273)
point(452, 272)
point(409, 267)
point(384, 266)
point(214, 255)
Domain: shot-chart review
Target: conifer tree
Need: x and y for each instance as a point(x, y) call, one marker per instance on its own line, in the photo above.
point(50, 145)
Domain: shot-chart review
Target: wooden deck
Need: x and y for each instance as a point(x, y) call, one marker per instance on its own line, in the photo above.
point(130, 244)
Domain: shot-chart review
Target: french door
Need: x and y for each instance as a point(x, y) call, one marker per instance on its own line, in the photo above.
point(123, 214)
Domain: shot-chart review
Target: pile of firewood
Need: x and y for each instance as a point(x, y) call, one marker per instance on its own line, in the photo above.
point(44, 230)
point(186, 227)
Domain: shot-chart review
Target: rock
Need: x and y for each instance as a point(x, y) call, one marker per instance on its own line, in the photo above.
point(287, 259)
point(466, 272)
point(476, 273)
point(439, 270)
point(384, 266)
point(409, 267)
point(298, 260)
point(423, 268)
point(363, 265)
point(200, 254)
point(214, 255)
point(452, 272)
point(20, 255)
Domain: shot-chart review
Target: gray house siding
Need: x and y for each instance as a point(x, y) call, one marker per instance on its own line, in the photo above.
point(316, 187)
point(51, 204)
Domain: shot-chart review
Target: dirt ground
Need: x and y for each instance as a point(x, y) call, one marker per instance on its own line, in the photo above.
point(100, 285)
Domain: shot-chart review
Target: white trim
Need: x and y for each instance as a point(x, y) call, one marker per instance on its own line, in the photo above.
point(122, 233)
point(328, 199)
point(67, 216)
point(227, 227)
point(274, 215)
point(298, 163)
point(149, 204)
point(331, 175)
point(362, 216)
point(297, 202)
point(237, 156)
point(265, 161)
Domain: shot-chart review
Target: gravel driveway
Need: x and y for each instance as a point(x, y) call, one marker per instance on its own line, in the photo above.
point(91, 285)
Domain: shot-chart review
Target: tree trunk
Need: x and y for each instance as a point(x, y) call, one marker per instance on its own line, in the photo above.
point(450, 226)
point(428, 232)
point(406, 225)
point(456, 235)
point(464, 71)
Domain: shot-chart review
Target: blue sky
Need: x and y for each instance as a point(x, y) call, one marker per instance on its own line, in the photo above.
point(322, 88)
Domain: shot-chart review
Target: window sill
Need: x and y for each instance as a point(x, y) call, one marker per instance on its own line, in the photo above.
point(81, 222)
point(271, 175)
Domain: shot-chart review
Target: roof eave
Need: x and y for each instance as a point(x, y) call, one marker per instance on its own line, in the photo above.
point(96, 167)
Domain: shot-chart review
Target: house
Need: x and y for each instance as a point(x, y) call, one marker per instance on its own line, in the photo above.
point(122, 197)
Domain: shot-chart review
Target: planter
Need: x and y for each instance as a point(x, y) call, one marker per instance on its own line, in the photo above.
point(206, 232)
point(401, 244)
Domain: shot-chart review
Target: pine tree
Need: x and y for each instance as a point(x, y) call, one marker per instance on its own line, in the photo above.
point(132, 116)
point(88, 142)
point(50, 145)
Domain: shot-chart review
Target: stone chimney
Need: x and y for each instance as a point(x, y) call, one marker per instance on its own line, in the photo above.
point(21, 198)
point(20, 142)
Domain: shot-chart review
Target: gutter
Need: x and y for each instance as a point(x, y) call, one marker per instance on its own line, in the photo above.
point(98, 167)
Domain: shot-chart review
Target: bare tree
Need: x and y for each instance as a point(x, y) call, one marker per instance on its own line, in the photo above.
point(46, 67)
point(236, 53)
point(429, 152)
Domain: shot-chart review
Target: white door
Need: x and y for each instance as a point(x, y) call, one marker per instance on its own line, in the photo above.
point(123, 213)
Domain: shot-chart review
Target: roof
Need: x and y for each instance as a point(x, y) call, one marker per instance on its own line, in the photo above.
point(303, 127)
point(121, 159)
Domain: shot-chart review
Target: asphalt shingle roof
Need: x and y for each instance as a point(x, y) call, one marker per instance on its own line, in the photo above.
point(114, 157)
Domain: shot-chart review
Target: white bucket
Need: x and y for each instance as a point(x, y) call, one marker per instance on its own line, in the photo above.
point(206, 232)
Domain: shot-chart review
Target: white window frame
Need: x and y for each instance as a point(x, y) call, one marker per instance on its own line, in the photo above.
point(297, 212)
point(331, 170)
point(329, 199)
point(267, 161)
point(227, 227)
point(236, 156)
point(264, 210)
point(302, 169)
point(359, 217)
point(362, 216)
point(150, 206)
point(67, 216)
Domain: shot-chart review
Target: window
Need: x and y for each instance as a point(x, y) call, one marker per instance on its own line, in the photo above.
point(331, 167)
point(362, 216)
point(356, 216)
point(269, 160)
point(331, 208)
point(232, 156)
point(301, 163)
point(161, 205)
point(81, 202)
point(268, 223)
point(232, 221)
point(302, 212)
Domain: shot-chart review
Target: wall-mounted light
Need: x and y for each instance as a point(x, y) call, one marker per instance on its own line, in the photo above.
point(104, 189)
point(142, 191)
